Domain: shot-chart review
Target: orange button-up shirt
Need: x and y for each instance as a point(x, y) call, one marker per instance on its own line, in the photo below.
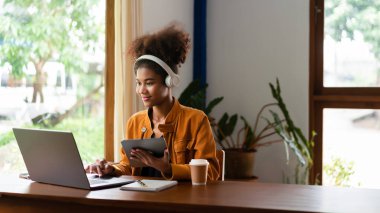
point(188, 135)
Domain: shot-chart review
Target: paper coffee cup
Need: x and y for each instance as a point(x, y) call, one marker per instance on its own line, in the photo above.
point(198, 169)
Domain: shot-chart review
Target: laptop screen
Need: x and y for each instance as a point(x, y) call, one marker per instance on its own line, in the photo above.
point(52, 157)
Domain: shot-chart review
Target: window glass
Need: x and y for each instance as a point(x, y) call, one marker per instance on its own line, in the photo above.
point(51, 73)
point(350, 147)
point(351, 47)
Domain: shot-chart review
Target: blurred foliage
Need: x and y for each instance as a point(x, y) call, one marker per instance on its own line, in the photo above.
point(339, 172)
point(88, 132)
point(62, 31)
point(6, 138)
point(88, 81)
point(41, 30)
point(344, 18)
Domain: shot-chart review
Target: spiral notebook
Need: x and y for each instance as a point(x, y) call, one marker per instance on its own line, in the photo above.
point(149, 185)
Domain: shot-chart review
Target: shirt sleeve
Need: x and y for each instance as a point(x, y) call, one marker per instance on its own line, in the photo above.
point(123, 167)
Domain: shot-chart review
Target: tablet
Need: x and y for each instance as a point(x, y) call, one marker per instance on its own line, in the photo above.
point(156, 146)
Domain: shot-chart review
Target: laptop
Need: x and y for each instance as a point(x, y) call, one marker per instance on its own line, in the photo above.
point(52, 157)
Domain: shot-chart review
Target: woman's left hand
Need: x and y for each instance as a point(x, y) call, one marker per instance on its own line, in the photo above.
point(161, 164)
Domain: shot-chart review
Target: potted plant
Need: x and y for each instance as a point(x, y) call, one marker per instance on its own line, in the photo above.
point(240, 150)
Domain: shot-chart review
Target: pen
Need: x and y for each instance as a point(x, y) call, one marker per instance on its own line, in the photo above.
point(141, 183)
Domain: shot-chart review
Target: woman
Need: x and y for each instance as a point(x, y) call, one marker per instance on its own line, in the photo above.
point(187, 131)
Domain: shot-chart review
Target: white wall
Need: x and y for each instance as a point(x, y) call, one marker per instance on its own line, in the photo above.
point(250, 43)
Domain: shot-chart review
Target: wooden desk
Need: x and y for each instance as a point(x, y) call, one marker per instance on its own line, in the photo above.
point(18, 195)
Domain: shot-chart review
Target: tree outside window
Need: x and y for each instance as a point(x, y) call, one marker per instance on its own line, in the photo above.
point(51, 71)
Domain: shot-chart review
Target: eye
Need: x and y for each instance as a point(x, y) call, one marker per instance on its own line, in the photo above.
point(138, 83)
point(149, 83)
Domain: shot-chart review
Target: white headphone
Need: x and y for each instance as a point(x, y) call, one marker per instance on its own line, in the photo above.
point(172, 79)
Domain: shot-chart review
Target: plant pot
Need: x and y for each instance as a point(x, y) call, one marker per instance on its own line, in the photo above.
point(239, 164)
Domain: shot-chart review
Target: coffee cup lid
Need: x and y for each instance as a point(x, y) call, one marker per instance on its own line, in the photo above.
point(198, 162)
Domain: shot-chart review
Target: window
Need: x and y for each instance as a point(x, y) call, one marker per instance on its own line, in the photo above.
point(344, 90)
point(52, 70)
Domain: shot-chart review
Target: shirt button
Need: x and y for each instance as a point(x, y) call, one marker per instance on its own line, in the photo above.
point(143, 129)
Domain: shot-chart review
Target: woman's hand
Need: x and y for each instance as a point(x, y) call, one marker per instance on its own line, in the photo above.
point(161, 164)
point(100, 167)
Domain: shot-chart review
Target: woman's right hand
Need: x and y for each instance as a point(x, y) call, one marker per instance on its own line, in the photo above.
point(100, 167)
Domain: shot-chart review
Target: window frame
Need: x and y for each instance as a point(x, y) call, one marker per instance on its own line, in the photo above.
point(109, 82)
point(321, 97)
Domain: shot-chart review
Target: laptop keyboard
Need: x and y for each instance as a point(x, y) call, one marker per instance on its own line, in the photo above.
point(96, 181)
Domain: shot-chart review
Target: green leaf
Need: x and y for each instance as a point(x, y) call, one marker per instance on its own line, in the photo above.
point(212, 104)
point(296, 140)
point(250, 136)
point(288, 138)
point(193, 95)
point(226, 125)
point(192, 88)
point(221, 125)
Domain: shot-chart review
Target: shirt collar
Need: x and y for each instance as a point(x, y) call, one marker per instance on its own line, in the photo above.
point(170, 119)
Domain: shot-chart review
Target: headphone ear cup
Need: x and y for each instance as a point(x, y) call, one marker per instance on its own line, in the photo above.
point(168, 81)
point(175, 80)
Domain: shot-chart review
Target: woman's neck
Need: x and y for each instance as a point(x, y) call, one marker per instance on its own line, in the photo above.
point(161, 111)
